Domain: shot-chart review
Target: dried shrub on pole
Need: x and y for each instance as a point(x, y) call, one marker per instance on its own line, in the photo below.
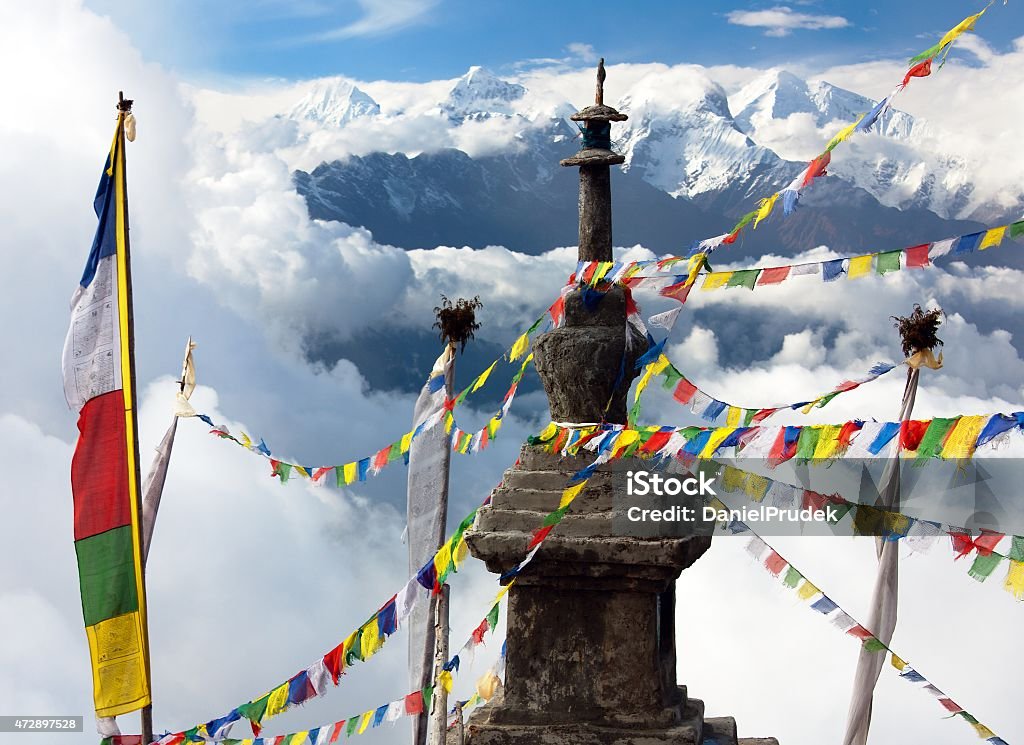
point(456, 321)
point(919, 330)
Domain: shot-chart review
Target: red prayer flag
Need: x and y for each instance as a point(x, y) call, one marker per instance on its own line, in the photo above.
point(684, 391)
point(775, 563)
point(381, 458)
point(557, 311)
point(773, 275)
point(334, 661)
point(731, 238)
point(846, 435)
point(336, 732)
point(479, 631)
point(911, 432)
point(656, 442)
point(963, 544)
point(678, 291)
point(920, 70)
point(817, 168)
point(318, 473)
point(860, 632)
point(539, 535)
point(917, 257)
point(951, 705)
point(987, 542)
point(762, 414)
point(414, 703)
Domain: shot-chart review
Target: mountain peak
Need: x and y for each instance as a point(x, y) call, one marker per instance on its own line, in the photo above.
point(334, 102)
point(479, 91)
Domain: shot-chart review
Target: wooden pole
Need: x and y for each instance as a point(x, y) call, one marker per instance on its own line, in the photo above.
point(124, 107)
point(421, 724)
point(439, 711)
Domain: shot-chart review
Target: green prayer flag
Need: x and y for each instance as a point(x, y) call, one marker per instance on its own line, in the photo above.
point(983, 566)
point(555, 517)
point(839, 511)
point(873, 644)
point(1017, 548)
point(743, 278)
point(355, 652)
point(254, 711)
point(1017, 229)
point(672, 377)
point(926, 54)
point(428, 699)
point(792, 578)
point(492, 617)
point(283, 470)
point(808, 442)
point(350, 728)
point(888, 262)
point(934, 436)
point(748, 416)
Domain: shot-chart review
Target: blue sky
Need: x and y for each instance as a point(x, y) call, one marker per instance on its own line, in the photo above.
point(431, 39)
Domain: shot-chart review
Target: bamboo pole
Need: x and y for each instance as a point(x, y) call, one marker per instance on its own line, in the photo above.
point(439, 710)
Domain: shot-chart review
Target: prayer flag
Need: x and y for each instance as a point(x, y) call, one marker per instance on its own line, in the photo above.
point(98, 368)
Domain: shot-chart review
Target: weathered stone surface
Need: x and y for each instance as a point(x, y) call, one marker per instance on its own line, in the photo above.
point(579, 363)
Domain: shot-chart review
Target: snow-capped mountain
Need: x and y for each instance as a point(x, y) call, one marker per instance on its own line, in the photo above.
point(481, 93)
point(779, 94)
point(333, 102)
point(684, 141)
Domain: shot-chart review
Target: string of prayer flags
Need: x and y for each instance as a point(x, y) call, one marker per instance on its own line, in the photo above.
point(963, 435)
point(870, 520)
point(778, 566)
point(412, 704)
point(711, 409)
point(360, 470)
point(659, 274)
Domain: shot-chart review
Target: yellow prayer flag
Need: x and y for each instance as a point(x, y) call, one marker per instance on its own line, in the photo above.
point(983, 732)
point(548, 432)
point(445, 679)
point(442, 559)
point(961, 28)
point(503, 590)
point(370, 640)
point(898, 662)
point(1015, 579)
point(487, 685)
point(350, 471)
point(299, 738)
point(449, 422)
point(807, 591)
point(246, 442)
point(626, 438)
point(718, 436)
point(765, 208)
point(859, 266)
point(716, 280)
point(963, 438)
point(461, 550)
point(278, 701)
point(482, 378)
point(732, 418)
point(519, 347)
point(364, 722)
point(756, 487)
point(570, 494)
point(828, 441)
point(844, 134)
point(992, 237)
point(602, 270)
point(733, 479)
point(405, 442)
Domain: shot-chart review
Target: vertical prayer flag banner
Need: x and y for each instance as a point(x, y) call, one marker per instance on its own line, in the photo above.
point(98, 383)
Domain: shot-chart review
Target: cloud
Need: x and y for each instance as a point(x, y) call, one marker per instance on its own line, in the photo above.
point(381, 17)
point(582, 52)
point(781, 20)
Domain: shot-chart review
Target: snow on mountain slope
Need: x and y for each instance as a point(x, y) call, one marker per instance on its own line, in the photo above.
point(682, 137)
point(334, 102)
point(900, 162)
point(480, 92)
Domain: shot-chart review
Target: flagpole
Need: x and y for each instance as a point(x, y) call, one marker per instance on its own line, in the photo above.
point(124, 108)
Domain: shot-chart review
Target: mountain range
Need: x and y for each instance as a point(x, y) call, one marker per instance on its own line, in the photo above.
point(696, 158)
